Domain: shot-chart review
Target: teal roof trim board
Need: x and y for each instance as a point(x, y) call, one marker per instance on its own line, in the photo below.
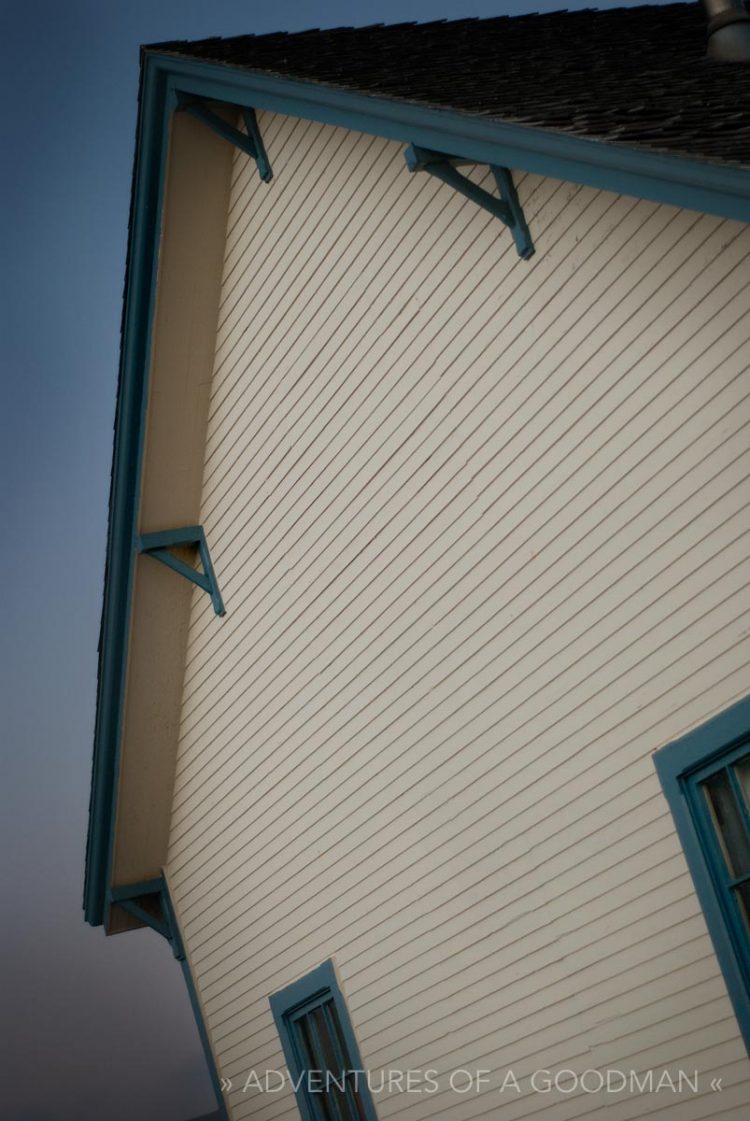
point(140, 289)
point(689, 183)
point(695, 184)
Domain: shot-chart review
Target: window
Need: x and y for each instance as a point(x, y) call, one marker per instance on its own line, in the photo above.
point(320, 1049)
point(706, 778)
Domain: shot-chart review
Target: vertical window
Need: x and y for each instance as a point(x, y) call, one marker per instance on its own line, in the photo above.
point(320, 1049)
point(706, 778)
point(723, 798)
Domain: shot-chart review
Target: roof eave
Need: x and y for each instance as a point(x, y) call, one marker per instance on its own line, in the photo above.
point(140, 285)
point(694, 183)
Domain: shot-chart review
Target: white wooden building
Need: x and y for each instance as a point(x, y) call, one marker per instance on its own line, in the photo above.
point(470, 504)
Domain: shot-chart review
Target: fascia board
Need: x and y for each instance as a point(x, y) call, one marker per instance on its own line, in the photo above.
point(140, 291)
point(691, 183)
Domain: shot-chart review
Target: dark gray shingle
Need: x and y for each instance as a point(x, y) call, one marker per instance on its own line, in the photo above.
point(633, 76)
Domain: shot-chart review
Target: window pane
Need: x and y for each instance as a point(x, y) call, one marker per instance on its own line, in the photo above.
point(743, 898)
point(356, 1105)
point(314, 1076)
point(318, 1046)
point(311, 1058)
point(743, 774)
point(325, 1050)
point(354, 1100)
point(729, 823)
point(330, 1062)
point(336, 1060)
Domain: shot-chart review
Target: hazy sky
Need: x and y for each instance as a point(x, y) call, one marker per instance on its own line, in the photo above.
point(93, 1029)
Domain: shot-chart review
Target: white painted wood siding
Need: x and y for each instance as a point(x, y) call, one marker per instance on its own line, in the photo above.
point(481, 528)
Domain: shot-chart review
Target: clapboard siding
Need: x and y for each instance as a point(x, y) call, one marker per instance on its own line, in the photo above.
point(481, 527)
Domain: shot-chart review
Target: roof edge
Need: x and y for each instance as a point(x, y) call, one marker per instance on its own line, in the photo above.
point(140, 290)
point(693, 183)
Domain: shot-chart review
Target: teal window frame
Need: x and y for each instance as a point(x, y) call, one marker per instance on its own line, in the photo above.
point(682, 767)
point(289, 1007)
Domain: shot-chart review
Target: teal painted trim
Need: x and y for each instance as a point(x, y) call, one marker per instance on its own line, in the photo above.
point(130, 891)
point(144, 916)
point(178, 948)
point(205, 1043)
point(166, 538)
point(312, 986)
point(157, 545)
point(145, 222)
point(127, 897)
point(507, 208)
point(672, 179)
point(165, 557)
point(295, 1001)
point(261, 156)
point(195, 1004)
point(419, 159)
point(519, 226)
point(251, 142)
point(681, 766)
point(700, 748)
point(124, 896)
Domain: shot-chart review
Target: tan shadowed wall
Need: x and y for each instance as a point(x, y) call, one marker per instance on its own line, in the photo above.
point(190, 264)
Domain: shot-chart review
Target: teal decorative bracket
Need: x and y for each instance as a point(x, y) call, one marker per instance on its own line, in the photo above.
point(158, 546)
point(507, 208)
point(251, 143)
point(149, 902)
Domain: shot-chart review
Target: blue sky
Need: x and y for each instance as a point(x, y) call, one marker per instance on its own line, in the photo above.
point(92, 1028)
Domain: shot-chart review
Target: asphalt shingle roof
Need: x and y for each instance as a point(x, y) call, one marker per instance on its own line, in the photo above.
point(632, 76)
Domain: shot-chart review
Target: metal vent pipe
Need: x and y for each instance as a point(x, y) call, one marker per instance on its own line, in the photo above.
point(728, 30)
